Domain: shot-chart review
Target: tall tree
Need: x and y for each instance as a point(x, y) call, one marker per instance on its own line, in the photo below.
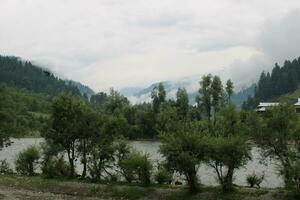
point(182, 103)
point(217, 94)
point(158, 96)
point(229, 89)
point(204, 99)
point(67, 118)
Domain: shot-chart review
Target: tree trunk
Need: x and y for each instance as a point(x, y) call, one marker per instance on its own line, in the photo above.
point(84, 160)
point(228, 185)
point(192, 181)
point(71, 161)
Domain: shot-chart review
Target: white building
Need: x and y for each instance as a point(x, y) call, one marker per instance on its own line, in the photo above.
point(297, 106)
point(263, 106)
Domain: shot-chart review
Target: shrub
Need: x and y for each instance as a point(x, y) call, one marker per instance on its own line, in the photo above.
point(27, 161)
point(254, 179)
point(163, 176)
point(56, 167)
point(4, 167)
point(136, 166)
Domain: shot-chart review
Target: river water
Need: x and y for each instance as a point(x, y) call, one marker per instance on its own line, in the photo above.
point(206, 174)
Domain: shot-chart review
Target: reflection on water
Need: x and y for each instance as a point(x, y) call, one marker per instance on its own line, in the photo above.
point(206, 174)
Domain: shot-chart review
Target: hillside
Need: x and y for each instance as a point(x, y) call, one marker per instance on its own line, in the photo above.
point(281, 83)
point(15, 72)
point(29, 90)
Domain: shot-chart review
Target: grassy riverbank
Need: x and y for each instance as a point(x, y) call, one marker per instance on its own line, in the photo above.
point(21, 187)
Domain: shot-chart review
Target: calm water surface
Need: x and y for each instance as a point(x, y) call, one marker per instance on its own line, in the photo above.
point(205, 173)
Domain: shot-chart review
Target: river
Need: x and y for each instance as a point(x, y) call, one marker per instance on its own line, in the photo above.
point(205, 173)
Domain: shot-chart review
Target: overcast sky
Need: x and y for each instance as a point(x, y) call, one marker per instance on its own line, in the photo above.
point(120, 43)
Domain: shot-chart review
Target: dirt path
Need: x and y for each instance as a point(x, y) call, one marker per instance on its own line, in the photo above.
point(9, 193)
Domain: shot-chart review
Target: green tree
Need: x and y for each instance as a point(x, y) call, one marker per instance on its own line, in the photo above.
point(229, 89)
point(279, 130)
point(228, 148)
point(182, 103)
point(216, 95)
point(66, 128)
point(204, 99)
point(158, 96)
point(7, 117)
point(184, 151)
point(27, 161)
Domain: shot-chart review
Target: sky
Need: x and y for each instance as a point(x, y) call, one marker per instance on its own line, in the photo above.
point(133, 43)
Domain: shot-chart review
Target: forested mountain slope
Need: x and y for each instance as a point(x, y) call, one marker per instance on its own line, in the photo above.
point(17, 73)
point(280, 81)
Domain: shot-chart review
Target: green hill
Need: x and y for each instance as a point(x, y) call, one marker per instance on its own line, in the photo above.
point(27, 92)
point(281, 83)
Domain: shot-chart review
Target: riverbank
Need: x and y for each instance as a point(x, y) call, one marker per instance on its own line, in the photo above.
point(21, 187)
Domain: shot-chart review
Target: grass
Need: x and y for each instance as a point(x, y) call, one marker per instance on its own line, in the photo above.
point(82, 189)
point(75, 188)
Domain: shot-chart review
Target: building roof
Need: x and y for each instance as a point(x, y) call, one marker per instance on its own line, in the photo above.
point(298, 103)
point(268, 104)
point(262, 109)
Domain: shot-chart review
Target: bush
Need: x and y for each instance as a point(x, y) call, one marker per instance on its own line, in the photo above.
point(136, 166)
point(254, 179)
point(163, 176)
point(27, 161)
point(4, 167)
point(56, 167)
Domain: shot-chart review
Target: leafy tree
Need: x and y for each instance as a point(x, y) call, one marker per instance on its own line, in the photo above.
point(279, 130)
point(228, 147)
point(66, 128)
point(216, 95)
point(204, 99)
point(184, 151)
point(27, 161)
point(158, 96)
point(229, 89)
point(182, 103)
point(7, 117)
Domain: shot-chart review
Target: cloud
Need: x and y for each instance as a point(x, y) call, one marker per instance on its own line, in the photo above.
point(117, 43)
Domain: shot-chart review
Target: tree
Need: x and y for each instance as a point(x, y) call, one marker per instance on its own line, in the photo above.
point(216, 95)
point(182, 103)
point(229, 89)
point(158, 96)
point(279, 130)
point(27, 161)
point(227, 146)
point(115, 103)
point(184, 151)
point(7, 117)
point(67, 118)
point(204, 99)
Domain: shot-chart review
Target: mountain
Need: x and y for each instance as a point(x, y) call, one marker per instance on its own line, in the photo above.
point(281, 81)
point(17, 73)
point(242, 88)
point(82, 88)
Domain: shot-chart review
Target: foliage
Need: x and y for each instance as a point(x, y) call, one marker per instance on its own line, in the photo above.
point(5, 168)
point(280, 81)
point(136, 166)
point(67, 124)
point(163, 175)
point(23, 74)
point(184, 150)
point(56, 167)
point(254, 179)
point(27, 161)
point(280, 129)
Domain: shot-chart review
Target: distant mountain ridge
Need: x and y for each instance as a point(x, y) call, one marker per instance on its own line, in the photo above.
point(191, 84)
point(22, 74)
